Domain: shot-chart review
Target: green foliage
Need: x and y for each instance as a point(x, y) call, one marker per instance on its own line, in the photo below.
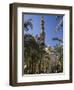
point(59, 52)
point(57, 39)
point(32, 51)
point(28, 24)
point(34, 55)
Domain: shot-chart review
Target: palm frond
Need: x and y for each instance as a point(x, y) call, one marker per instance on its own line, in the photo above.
point(60, 24)
point(28, 24)
point(57, 39)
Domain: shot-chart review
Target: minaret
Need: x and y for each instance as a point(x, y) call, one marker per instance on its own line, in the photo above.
point(42, 34)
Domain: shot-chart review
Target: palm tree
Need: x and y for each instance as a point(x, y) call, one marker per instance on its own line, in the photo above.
point(58, 49)
point(32, 53)
point(27, 24)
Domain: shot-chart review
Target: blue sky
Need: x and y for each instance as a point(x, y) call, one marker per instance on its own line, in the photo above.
point(50, 24)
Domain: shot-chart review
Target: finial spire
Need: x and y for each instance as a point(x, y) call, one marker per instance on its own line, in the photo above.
point(42, 23)
point(42, 34)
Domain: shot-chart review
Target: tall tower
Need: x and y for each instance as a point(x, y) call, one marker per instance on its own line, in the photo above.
point(42, 34)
